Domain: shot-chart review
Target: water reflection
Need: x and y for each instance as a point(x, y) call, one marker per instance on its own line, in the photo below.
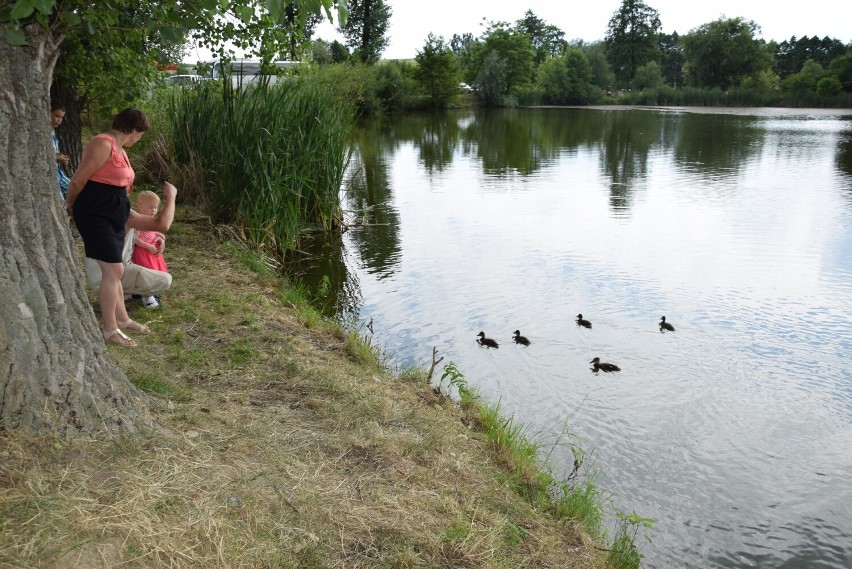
point(736, 430)
point(843, 159)
point(321, 267)
point(716, 146)
point(628, 137)
point(373, 218)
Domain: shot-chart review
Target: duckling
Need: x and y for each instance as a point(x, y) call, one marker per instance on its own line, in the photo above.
point(487, 342)
point(523, 340)
point(665, 325)
point(603, 366)
point(584, 323)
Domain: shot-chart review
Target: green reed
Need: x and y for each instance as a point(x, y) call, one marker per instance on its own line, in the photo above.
point(272, 155)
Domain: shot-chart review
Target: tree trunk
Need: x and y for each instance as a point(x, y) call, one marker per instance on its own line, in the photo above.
point(56, 375)
point(366, 35)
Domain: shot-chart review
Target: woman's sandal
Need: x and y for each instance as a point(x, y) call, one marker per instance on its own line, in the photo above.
point(135, 326)
point(116, 336)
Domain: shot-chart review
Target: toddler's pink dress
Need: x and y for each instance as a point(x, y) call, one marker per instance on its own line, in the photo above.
point(145, 258)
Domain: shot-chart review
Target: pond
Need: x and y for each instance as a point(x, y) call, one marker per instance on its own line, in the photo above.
point(735, 430)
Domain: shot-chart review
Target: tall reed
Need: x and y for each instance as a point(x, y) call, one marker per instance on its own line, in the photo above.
point(272, 154)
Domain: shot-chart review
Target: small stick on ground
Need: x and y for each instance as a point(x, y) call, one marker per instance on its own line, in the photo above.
point(434, 361)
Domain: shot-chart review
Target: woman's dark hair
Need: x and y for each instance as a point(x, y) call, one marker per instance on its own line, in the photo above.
point(129, 120)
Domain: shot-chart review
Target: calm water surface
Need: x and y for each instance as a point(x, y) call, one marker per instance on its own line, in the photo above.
point(735, 432)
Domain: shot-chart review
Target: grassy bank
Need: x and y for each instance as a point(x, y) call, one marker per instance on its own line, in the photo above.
point(285, 445)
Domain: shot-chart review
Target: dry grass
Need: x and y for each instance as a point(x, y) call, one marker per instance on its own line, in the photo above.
point(284, 449)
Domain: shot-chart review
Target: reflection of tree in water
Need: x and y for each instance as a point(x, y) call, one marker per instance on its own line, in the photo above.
point(506, 141)
point(374, 220)
point(717, 145)
point(627, 138)
point(843, 161)
point(436, 137)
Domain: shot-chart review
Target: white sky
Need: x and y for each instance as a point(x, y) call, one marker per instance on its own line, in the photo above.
point(413, 20)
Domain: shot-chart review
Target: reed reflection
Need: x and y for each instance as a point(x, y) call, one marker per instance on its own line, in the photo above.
point(320, 266)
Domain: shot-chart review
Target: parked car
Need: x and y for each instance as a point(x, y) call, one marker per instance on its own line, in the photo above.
point(465, 88)
point(183, 79)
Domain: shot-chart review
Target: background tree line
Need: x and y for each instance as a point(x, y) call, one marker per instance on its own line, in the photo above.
point(530, 61)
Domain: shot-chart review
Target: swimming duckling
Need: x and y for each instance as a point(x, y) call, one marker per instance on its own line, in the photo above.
point(665, 325)
point(603, 366)
point(487, 342)
point(584, 323)
point(523, 340)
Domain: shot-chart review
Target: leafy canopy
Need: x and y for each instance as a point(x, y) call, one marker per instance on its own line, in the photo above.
point(723, 52)
point(171, 18)
point(631, 38)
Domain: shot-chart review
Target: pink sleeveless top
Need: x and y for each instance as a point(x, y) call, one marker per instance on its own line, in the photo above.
point(116, 171)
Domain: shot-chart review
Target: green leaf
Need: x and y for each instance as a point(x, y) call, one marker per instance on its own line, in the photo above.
point(342, 13)
point(44, 6)
point(23, 9)
point(5, 14)
point(15, 36)
point(71, 18)
point(275, 9)
point(244, 13)
point(313, 6)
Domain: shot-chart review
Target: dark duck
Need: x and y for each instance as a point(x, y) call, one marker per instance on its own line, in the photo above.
point(603, 366)
point(522, 340)
point(583, 323)
point(487, 342)
point(665, 325)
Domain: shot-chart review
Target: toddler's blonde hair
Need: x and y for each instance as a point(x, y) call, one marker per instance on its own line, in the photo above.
point(148, 196)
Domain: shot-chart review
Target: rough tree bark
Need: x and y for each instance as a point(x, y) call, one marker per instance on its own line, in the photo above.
point(56, 375)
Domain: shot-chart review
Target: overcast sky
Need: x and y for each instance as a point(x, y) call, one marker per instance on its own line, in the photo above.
point(413, 20)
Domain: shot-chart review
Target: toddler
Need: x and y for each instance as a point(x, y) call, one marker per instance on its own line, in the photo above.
point(149, 245)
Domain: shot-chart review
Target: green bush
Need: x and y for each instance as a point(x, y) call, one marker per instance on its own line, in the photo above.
point(385, 87)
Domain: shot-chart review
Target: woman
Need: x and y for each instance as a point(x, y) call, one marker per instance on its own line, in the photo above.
point(98, 199)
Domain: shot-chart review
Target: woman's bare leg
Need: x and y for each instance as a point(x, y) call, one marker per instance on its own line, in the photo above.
point(110, 294)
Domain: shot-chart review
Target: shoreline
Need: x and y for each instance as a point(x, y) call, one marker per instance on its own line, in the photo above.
point(286, 444)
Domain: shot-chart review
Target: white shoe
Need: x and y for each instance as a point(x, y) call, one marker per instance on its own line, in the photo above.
point(151, 302)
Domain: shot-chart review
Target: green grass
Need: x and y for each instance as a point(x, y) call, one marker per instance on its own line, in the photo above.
point(159, 385)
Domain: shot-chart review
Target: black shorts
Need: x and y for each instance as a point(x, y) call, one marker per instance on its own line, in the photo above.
point(100, 212)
